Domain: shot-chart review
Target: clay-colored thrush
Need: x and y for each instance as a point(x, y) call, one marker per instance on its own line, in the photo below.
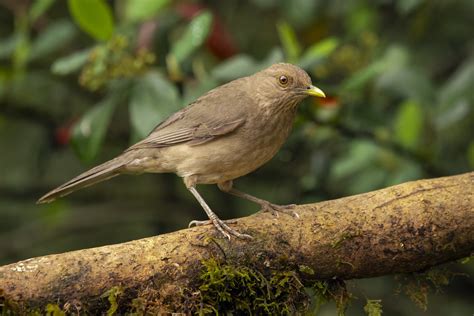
point(225, 134)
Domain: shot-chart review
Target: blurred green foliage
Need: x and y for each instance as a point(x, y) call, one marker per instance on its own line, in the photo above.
point(93, 17)
point(82, 79)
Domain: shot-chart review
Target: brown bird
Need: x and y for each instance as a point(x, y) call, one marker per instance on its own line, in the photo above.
point(225, 134)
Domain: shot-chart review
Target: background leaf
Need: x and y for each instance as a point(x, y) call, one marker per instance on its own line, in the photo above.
point(243, 65)
point(290, 43)
point(235, 67)
point(359, 79)
point(38, 8)
point(409, 124)
point(56, 36)
point(153, 99)
point(94, 17)
point(89, 133)
point(141, 10)
point(318, 51)
point(8, 45)
point(70, 63)
point(193, 37)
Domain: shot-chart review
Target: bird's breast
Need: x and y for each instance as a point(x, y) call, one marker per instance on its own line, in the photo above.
point(233, 155)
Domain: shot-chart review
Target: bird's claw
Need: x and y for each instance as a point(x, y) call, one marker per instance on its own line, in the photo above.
point(208, 221)
point(222, 227)
point(275, 209)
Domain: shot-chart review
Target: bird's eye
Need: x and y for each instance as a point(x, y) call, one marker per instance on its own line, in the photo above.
point(283, 80)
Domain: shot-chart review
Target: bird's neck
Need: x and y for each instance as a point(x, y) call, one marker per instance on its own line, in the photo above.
point(279, 108)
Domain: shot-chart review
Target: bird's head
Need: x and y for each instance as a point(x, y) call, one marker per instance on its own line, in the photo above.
point(285, 84)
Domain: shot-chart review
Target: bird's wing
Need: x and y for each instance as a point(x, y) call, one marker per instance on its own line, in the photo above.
point(193, 135)
point(214, 114)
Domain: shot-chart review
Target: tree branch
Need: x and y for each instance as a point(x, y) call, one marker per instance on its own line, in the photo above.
point(400, 229)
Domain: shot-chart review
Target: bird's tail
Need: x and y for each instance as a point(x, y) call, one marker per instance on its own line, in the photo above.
point(97, 174)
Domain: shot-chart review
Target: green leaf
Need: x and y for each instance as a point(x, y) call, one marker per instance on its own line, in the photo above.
point(194, 36)
point(38, 8)
point(318, 51)
point(409, 124)
point(235, 67)
point(459, 85)
point(450, 115)
point(23, 44)
point(243, 65)
point(8, 45)
point(359, 79)
point(455, 97)
point(70, 63)
point(153, 99)
point(290, 43)
point(394, 58)
point(141, 10)
point(94, 17)
point(361, 154)
point(56, 36)
point(89, 133)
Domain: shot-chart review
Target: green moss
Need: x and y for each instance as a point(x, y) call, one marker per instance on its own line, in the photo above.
point(418, 293)
point(417, 286)
point(324, 291)
point(438, 277)
point(11, 308)
point(54, 310)
point(465, 260)
point(237, 289)
point(373, 308)
point(240, 289)
point(7, 307)
point(221, 289)
point(138, 307)
point(305, 269)
point(112, 295)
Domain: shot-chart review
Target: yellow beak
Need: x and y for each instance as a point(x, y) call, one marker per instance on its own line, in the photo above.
point(315, 92)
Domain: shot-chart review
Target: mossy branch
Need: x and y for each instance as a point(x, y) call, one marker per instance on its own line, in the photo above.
point(400, 229)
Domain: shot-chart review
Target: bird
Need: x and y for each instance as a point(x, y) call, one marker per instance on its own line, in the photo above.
point(225, 134)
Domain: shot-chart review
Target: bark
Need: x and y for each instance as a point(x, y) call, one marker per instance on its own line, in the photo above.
point(400, 229)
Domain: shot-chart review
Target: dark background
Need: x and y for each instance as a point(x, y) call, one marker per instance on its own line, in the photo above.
point(82, 80)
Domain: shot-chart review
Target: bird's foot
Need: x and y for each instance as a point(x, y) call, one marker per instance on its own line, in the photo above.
point(208, 222)
point(222, 227)
point(275, 209)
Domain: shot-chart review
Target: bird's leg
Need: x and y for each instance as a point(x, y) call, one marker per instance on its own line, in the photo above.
point(221, 226)
point(266, 206)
